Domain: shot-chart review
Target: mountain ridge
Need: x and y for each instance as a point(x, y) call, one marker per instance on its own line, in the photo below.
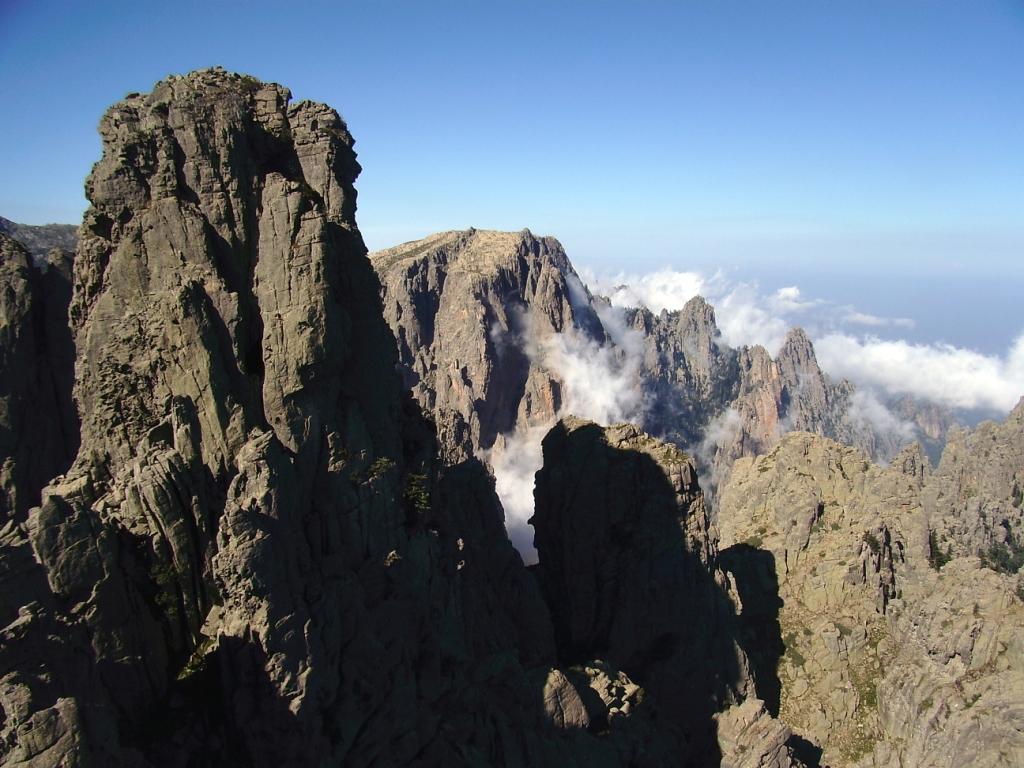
point(259, 554)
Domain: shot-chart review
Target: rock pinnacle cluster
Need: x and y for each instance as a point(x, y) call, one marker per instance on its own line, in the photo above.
point(248, 512)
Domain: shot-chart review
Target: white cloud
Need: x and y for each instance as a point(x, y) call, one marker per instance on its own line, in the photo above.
point(746, 317)
point(744, 314)
point(722, 431)
point(514, 462)
point(600, 382)
point(941, 373)
point(862, 318)
point(789, 299)
point(867, 411)
point(665, 289)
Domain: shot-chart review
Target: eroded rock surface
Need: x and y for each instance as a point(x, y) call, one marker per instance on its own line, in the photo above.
point(472, 312)
point(259, 555)
point(250, 557)
point(628, 567)
point(38, 423)
point(484, 321)
point(900, 646)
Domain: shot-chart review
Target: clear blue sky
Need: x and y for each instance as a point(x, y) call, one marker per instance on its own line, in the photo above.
point(818, 137)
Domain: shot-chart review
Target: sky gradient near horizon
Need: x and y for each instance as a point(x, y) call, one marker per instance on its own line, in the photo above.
point(824, 143)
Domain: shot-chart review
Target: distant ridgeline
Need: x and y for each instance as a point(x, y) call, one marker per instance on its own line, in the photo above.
point(497, 335)
point(40, 240)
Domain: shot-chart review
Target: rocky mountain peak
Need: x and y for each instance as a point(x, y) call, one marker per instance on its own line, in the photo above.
point(40, 240)
point(471, 312)
point(258, 555)
point(797, 355)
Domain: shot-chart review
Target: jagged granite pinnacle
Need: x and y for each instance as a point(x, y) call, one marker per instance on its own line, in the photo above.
point(259, 556)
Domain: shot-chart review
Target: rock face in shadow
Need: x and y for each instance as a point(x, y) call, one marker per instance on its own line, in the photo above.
point(254, 557)
point(259, 556)
point(628, 569)
point(38, 423)
point(901, 645)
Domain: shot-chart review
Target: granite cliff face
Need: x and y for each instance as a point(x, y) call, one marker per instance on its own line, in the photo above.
point(629, 570)
point(244, 559)
point(471, 312)
point(38, 424)
point(739, 402)
point(476, 315)
point(900, 609)
point(259, 555)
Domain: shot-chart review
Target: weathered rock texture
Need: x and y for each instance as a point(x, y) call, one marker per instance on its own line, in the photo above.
point(739, 402)
point(628, 569)
point(250, 558)
point(474, 311)
point(38, 424)
point(470, 310)
point(900, 647)
point(257, 557)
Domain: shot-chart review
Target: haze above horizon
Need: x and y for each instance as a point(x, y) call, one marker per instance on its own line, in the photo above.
point(824, 144)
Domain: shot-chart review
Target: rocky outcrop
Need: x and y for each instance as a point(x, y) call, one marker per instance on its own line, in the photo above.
point(483, 321)
point(975, 499)
point(254, 557)
point(472, 312)
point(628, 569)
point(893, 652)
point(38, 423)
point(731, 403)
point(259, 555)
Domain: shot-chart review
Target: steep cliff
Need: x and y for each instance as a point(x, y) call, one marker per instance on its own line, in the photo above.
point(975, 499)
point(471, 312)
point(497, 334)
point(253, 557)
point(38, 423)
point(259, 556)
point(739, 402)
point(628, 567)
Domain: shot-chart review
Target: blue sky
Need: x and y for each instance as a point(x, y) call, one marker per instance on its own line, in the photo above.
point(815, 142)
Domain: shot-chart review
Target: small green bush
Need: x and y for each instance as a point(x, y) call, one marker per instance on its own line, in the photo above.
point(378, 468)
point(1004, 556)
point(872, 541)
point(416, 493)
point(936, 558)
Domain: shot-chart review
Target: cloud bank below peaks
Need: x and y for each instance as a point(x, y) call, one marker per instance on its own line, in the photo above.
point(600, 382)
point(939, 373)
point(844, 338)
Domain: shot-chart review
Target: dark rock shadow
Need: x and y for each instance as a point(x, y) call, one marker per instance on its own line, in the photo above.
point(222, 710)
point(626, 577)
point(760, 633)
point(806, 751)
